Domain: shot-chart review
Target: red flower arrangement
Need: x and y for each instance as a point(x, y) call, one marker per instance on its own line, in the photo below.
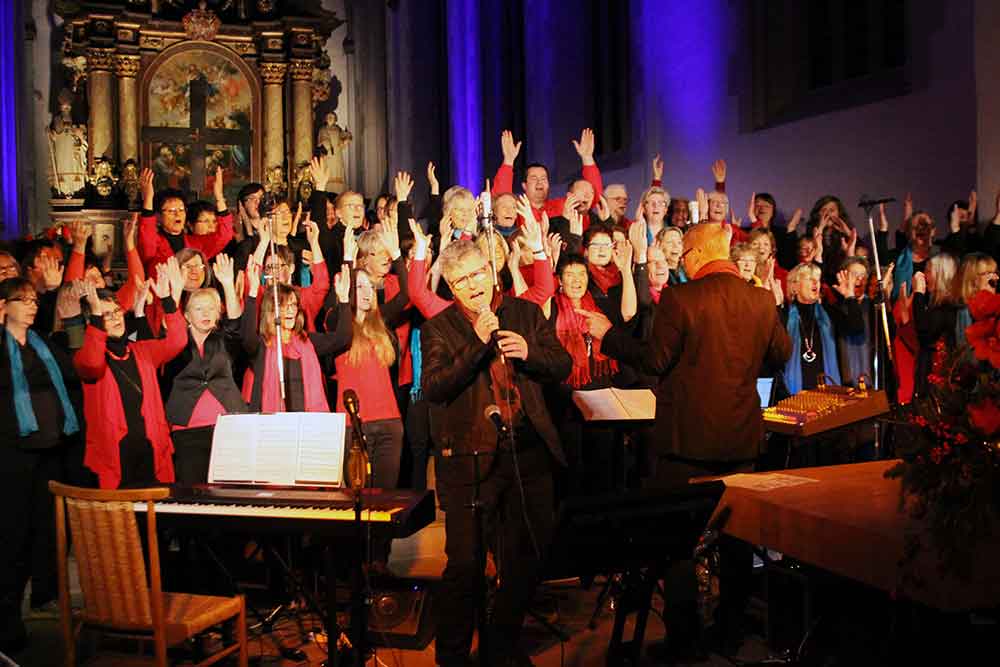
point(950, 467)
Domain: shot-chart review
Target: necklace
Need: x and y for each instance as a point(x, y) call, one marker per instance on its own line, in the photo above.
point(809, 355)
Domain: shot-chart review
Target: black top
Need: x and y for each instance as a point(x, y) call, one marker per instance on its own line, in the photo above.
point(191, 373)
point(44, 399)
point(325, 344)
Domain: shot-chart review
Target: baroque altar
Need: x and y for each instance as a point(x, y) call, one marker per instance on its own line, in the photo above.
point(184, 87)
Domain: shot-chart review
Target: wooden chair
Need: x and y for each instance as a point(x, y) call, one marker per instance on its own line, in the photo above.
point(117, 595)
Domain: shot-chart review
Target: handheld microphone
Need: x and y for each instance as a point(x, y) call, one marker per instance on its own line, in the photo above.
point(487, 202)
point(868, 203)
point(492, 413)
point(351, 403)
point(993, 283)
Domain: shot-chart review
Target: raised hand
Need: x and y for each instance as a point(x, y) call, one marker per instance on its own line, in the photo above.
point(514, 258)
point(719, 171)
point(68, 301)
point(531, 230)
point(80, 231)
point(342, 284)
point(779, 295)
point(553, 248)
point(603, 209)
point(432, 179)
point(622, 256)
point(887, 278)
point(88, 291)
point(295, 220)
point(973, 205)
point(657, 168)
point(702, 198)
point(51, 270)
point(544, 224)
point(176, 277)
point(794, 222)
point(389, 234)
point(640, 243)
point(253, 278)
point(403, 184)
point(129, 229)
point(161, 286)
point(223, 269)
point(751, 214)
point(509, 149)
point(241, 284)
point(919, 283)
point(569, 205)
point(736, 222)
point(318, 173)
point(312, 232)
point(907, 207)
point(585, 146)
point(146, 187)
point(142, 289)
point(883, 220)
point(421, 240)
point(844, 287)
point(218, 189)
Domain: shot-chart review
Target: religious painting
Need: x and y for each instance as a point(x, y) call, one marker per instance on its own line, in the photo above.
point(201, 106)
point(229, 94)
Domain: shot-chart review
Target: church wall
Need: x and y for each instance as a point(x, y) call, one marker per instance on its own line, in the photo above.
point(690, 102)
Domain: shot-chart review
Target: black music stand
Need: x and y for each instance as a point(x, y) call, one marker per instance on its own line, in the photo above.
point(635, 534)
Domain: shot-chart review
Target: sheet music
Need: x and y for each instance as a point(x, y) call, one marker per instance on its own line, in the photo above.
point(616, 404)
point(765, 482)
point(284, 449)
point(321, 447)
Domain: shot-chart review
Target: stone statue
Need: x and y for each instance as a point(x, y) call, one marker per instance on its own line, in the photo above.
point(274, 182)
point(334, 139)
point(67, 150)
point(130, 184)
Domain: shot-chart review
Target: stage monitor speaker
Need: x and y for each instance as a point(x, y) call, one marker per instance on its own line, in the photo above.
point(400, 615)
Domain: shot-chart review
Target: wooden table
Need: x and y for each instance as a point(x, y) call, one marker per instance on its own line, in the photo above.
point(848, 522)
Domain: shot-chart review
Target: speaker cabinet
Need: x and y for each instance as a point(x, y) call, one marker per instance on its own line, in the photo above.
point(400, 615)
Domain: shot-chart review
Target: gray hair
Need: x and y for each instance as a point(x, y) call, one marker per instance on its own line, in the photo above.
point(453, 255)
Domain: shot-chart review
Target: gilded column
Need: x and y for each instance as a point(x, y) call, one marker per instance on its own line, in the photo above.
point(99, 85)
point(127, 67)
point(302, 126)
point(273, 75)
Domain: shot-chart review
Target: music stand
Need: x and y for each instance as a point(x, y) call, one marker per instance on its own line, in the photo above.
point(635, 534)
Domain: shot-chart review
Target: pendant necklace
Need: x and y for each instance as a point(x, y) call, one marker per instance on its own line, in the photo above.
point(809, 355)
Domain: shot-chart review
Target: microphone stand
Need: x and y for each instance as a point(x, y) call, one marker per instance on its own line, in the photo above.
point(277, 316)
point(360, 586)
point(881, 325)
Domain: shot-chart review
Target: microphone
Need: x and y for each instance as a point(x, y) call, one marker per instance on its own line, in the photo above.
point(992, 283)
point(487, 202)
point(492, 413)
point(351, 402)
point(868, 203)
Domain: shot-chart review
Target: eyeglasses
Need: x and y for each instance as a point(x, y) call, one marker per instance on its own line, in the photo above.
point(601, 245)
point(194, 267)
point(29, 300)
point(466, 280)
point(113, 313)
point(173, 211)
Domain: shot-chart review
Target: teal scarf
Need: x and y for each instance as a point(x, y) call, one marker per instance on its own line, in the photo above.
point(26, 421)
point(903, 273)
point(793, 369)
point(963, 319)
point(416, 356)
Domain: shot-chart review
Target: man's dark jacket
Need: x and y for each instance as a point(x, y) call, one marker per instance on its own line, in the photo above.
point(455, 380)
point(711, 339)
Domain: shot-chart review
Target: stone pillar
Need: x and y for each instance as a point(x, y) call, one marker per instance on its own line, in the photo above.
point(273, 75)
point(99, 85)
point(127, 67)
point(302, 109)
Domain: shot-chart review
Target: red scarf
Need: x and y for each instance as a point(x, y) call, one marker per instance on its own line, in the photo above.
point(605, 277)
point(314, 396)
point(570, 329)
point(717, 266)
point(655, 293)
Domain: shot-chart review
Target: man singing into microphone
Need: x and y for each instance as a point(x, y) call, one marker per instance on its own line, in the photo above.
point(489, 349)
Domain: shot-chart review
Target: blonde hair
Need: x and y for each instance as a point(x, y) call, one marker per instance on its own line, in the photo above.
point(741, 250)
point(369, 243)
point(266, 326)
point(942, 270)
point(208, 294)
point(655, 190)
point(795, 275)
point(370, 334)
point(972, 265)
point(499, 244)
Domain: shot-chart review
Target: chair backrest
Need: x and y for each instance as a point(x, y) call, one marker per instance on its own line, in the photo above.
point(109, 555)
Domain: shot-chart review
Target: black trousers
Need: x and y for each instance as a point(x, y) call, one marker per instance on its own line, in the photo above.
point(522, 528)
point(27, 524)
point(192, 453)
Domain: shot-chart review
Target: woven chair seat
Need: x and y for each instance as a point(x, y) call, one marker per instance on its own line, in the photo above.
point(187, 615)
